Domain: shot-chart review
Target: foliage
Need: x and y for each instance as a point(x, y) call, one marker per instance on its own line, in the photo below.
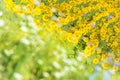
point(59, 39)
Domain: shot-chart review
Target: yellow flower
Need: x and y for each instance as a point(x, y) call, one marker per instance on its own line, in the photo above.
point(37, 11)
point(45, 17)
point(72, 3)
point(73, 39)
point(116, 59)
point(104, 56)
point(9, 4)
point(98, 56)
point(105, 65)
point(88, 51)
point(115, 68)
point(95, 61)
point(85, 39)
point(98, 50)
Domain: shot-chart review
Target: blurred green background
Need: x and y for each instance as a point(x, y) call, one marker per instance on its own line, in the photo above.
point(30, 53)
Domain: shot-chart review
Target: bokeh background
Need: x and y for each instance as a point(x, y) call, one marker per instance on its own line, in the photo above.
point(31, 53)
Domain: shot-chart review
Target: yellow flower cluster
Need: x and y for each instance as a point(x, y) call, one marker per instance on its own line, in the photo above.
point(92, 25)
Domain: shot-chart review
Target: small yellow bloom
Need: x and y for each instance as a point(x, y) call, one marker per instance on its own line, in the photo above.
point(85, 39)
point(115, 68)
point(104, 56)
point(45, 17)
point(98, 56)
point(105, 65)
point(98, 50)
point(116, 59)
point(95, 61)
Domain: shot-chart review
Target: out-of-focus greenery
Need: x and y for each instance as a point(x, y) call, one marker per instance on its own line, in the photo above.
point(30, 53)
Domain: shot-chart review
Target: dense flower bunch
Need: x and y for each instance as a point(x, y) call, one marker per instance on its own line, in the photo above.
point(91, 25)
